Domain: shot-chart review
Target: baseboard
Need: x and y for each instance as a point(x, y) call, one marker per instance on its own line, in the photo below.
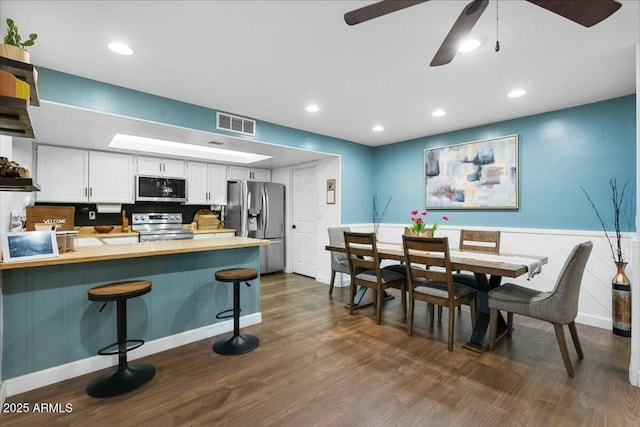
point(598, 322)
point(27, 382)
point(3, 393)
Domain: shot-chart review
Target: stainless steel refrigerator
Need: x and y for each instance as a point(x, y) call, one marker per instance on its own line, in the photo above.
point(256, 209)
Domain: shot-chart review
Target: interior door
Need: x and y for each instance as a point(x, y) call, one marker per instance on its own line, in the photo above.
point(304, 208)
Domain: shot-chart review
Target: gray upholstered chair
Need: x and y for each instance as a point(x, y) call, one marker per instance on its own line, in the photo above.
point(559, 306)
point(364, 264)
point(339, 262)
point(434, 286)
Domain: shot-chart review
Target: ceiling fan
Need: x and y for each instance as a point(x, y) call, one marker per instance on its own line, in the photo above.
point(583, 12)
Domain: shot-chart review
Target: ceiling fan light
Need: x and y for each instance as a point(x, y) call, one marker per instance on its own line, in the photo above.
point(517, 93)
point(469, 45)
point(439, 113)
point(377, 128)
point(312, 108)
point(120, 48)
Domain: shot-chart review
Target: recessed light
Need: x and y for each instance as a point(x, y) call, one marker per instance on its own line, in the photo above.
point(377, 128)
point(469, 45)
point(120, 48)
point(516, 93)
point(312, 108)
point(439, 113)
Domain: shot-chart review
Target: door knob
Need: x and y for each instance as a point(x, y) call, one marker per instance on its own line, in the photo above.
point(293, 226)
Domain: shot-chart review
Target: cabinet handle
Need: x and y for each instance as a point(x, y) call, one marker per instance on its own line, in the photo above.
point(160, 166)
point(90, 191)
point(86, 191)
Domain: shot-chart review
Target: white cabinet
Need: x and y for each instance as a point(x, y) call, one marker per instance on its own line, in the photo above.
point(156, 166)
point(249, 174)
point(206, 184)
point(68, 175)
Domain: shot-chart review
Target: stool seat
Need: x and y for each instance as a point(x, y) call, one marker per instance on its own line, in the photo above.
point(119, 290)
point(126, 378)
point(236, 343)
point(236, 274)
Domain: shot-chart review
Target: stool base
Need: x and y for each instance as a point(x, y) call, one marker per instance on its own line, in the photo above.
point(236, 344)
point(121, 381)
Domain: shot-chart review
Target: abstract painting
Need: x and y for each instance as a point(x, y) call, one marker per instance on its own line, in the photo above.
point(473, 175)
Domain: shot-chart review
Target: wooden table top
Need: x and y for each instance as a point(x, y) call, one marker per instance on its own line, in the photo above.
point(137, 250)
point(394, 251)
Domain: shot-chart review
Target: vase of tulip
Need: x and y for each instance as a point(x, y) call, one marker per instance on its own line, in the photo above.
point(419, 226)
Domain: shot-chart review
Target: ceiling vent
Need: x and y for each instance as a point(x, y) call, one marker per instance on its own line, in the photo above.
point(236, 124)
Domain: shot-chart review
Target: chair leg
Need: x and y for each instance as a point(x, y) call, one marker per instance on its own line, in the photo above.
point(452, 320)
point(333, 278)
point(352, 296)
point(379, 293)
point(439, 313)
point(562, 343)
point(410, 320)
point(431, 313)
point(509, 323)
point(576, 340)
point(403, 295)
point(493, 327)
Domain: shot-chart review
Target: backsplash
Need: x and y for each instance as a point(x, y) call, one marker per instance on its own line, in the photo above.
point(81, 217)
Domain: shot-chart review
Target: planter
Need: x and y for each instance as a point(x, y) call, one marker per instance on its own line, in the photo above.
point(426, 233)
point(621, 301)
point(15, 53)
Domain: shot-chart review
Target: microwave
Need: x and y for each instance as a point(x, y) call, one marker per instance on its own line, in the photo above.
point(160, 189)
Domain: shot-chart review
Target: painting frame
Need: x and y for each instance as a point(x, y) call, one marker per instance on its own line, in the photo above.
point(482, 174)
point(331, 191)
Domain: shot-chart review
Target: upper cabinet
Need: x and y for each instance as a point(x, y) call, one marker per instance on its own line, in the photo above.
point(249, 174)
point(68, 175)
point(206, 184)
point(156, 166)
point(14, 115)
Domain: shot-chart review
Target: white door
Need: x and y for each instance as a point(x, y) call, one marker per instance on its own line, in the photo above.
point(197, 184)
point(173, 168)
point(62, 174)
point(217, 185)
point(304, 207)
point(110, 177)
point(149, 166)
point(263, 175)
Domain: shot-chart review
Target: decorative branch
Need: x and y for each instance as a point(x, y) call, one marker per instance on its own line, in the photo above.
point(377, 215)
point(617, 198)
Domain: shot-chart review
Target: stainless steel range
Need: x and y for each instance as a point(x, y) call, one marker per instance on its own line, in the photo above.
point(159, 226)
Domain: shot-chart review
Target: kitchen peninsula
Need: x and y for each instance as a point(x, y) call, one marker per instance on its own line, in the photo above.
point(52, 332)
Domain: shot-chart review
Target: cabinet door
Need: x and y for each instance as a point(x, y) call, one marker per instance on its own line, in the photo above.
point(62, 174)
point(149, 166)
point(173, 168)
point(197, 183)
point(238, 172)
point(263, 175)
point(110, 177)
point(217, 185)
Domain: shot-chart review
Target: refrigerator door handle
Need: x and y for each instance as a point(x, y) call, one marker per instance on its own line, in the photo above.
point(265, 210)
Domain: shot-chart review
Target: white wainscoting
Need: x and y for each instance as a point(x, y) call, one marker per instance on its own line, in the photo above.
point(594, 307)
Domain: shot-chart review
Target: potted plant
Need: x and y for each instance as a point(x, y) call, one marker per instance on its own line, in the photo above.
point(14, 47)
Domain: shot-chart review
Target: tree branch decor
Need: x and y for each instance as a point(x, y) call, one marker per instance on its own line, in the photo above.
point(617, 198)
point(377, 215)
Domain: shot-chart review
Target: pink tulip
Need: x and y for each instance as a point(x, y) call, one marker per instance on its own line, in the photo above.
point(424, 213)
point(445, 218)
point(414, 212)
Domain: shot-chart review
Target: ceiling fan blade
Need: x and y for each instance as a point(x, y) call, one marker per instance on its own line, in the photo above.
point(586, 12)
point(462, 27)
point(377, 9)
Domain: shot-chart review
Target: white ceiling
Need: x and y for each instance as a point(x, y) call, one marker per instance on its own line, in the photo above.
point(268, 59)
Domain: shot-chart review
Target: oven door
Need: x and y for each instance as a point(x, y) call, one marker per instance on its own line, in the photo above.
point(160, 189)
point(151, 236)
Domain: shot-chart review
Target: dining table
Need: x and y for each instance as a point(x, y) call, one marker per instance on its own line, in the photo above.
point(488, 269)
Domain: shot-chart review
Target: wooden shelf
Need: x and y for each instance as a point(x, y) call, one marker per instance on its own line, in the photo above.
point(23, 71)
point(18, 184)
point(14, 118)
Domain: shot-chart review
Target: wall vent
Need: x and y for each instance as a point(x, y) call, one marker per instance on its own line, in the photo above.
point(236, 124)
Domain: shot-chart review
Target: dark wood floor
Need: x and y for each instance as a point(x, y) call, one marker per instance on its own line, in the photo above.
point(316, 365)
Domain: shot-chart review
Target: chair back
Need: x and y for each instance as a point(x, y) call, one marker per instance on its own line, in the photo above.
point(480, 241)
point(338, 259)
point(431, 251)
point(562, 306)
point(362, 253)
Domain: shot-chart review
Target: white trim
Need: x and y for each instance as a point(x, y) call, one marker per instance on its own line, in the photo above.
point(55, 374)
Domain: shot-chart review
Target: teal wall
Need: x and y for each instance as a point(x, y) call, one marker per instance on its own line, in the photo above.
point(559, 152)
point(49, 321)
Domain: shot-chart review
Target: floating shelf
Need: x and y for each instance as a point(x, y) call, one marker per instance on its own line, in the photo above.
point(23, 71)
point(14, 118)
point(18, 184)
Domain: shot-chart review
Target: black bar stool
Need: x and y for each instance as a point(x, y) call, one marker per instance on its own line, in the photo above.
point(236, 344)
point(126, 378)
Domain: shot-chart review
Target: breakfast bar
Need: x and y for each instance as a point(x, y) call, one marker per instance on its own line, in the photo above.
point(49, 323)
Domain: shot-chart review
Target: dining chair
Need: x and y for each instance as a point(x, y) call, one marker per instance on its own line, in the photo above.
point(558, 306)
point(435, 285)
point(477, 241)
point(339, 262)
point(364, 266)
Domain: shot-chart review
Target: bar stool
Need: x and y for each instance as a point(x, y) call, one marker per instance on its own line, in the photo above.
point(126, 378)
point(236, 344)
